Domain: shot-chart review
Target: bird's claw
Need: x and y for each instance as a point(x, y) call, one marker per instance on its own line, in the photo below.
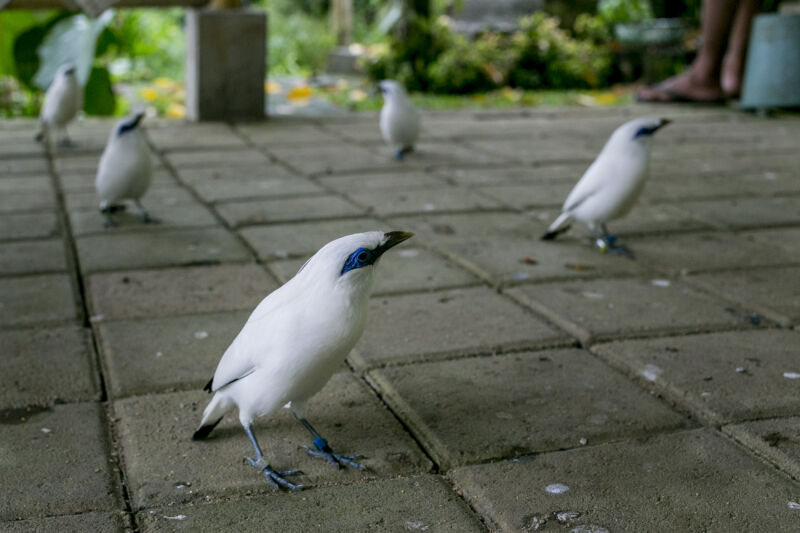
point(336, 459)
point(276, 478)
point(608, 244)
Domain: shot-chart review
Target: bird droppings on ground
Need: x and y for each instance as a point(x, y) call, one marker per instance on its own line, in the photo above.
point(651, 372)
point(556, 488)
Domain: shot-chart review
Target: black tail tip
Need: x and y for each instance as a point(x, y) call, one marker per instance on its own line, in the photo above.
point(203, 431)
point(208, 385)
point(550, 235)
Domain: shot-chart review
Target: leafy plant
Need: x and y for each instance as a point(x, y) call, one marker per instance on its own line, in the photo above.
point(624, 11)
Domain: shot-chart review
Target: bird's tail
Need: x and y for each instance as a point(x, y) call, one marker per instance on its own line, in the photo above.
point(216, 409)
point(559, 225)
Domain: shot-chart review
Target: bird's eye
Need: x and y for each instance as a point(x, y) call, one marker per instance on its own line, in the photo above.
point(362, 257)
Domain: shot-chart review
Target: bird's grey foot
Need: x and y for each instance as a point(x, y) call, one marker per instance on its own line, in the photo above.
point(276, 478)
point(608, 244)
point(109, 223)
point(401, 153)
point(324, 451)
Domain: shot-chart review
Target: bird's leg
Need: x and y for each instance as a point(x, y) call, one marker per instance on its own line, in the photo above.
point(274, 477)
point(610, 244)
point(325, 451)
point(106, 211)
point(402, 152)
point(65, 141)
point(146, 218)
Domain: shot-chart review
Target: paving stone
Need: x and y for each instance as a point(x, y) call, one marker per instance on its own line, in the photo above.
point(773, 292)
point(302, 239)
point(42, 366)
point(286, 210)
point(603, 308)
point(171, 136)
point(27, 165)
point(91, 221)
point(155, 434)
point(261, 172)
point(328, 158)
point(26, 201)
point(151, 355)
point(83, 181)
point(28, 257)
point(216, 190)
point(416, 327)
point(441, 154)
point(423, 503)
point(164, 196)
point(513, 260)
point(406, 269)
point(381, 182)
point(517, 175)
point(95, 522)
point(744, 213)
point(28, 225)
point(693, 481)
point(283, 133)
point(679, 253)
point(35, 300)
point(87, 163)
point(526, 150)
point(442, 228)
point(666, 187)
point(777, 439)
point(36, 183)
point(216, 158)
point(721, 377)
point(525, 196)
point(77, 475)
point(390, 203)
point(787, 239)
point(177, 291)
point(132, 250)
point(518, 404)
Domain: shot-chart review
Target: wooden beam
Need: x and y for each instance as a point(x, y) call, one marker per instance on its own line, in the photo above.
point(56, 4)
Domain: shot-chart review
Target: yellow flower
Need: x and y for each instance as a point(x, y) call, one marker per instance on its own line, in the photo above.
point(301, 92)
point(175, 111)
point(163, 83)
point(148, 94)
point(272, 87)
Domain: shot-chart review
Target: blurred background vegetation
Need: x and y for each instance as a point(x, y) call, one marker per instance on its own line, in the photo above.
point(136, 56)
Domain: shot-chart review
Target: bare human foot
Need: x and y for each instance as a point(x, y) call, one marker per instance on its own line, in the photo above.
point(684, 87)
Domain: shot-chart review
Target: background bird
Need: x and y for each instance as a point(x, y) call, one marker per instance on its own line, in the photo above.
point(62, 101)
point(125, 169)
point(612, 184)
point(295, 339)
point(399, 119)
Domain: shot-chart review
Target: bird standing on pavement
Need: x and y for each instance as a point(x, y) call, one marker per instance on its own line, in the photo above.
point(399, 119)
point(295, 339)
point(612, 184)
point(62, 101)
point(125, 169)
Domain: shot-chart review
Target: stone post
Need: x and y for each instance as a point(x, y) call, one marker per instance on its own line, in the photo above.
point(225, 64)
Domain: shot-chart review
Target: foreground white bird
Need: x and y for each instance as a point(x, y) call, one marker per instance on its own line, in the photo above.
point(295, 339)
point(612, 184)
point(125, 169)
point(399, 119)
point(62, 101)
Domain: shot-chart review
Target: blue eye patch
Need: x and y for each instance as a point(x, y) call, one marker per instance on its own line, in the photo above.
point(358, 259)
point(645, 130)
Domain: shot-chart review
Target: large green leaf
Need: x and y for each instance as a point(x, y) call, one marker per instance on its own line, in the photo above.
point(71, 40)
point(99, 95)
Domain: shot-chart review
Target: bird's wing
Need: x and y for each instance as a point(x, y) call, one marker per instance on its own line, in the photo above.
point(588, 185)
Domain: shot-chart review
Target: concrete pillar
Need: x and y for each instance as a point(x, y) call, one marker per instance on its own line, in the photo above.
point(225, 64)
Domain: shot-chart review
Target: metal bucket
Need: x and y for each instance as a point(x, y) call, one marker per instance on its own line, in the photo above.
point(772, 73)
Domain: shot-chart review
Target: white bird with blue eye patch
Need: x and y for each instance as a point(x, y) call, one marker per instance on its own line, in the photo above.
point(295, 340)
point(125, 169)
point(612, 184)
point(399, 119)
point(62, 101)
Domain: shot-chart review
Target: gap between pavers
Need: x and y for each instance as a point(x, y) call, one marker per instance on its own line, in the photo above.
point(281, 210)
point(777, 440)
point(78, 523)
point(414, 503)
point(685, 481)
point(496, 407)
point(163, 465)
point(719, 377)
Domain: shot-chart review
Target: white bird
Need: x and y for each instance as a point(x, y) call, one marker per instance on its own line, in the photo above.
point(612, 184)
point(399, 119)
point(295, 339)
point(62, 101)
point(125, 169)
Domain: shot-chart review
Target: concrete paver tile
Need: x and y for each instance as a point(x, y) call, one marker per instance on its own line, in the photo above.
point(177, 291)
point(175, 136)
point(56, 461)
point(773, 292)
point(26, 257)
point(527, 195)
point(457, 227)
point(94, 522)
point(42, 366)
point(447, 198)
point(538, 150)
point(422, 503)
point(328, 158)
point(787, 239)
point(164, 465)
point(246, 188)
point(216, 158)
point(777, 439)
point(299, 239)
point(443, 154)
point(83, 180)
point(408, 269)
point(692, 481)
point(23, 165)
point(286, 210)
point(36, 300)
point(28, 225)
point(568, 173)
point(166, 353)
point(227, 174)
point(603, 308)
point(133, 250)
point(272, 134)
point(721, 377)
point(414, 327)
point(381, 182)
point(671, 188)
point(13, 202)
point(748, 212)
point(161, 195)
point(89, 221)
point(479, 409)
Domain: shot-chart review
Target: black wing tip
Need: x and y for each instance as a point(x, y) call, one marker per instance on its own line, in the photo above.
point(208, 385)
point(203, 431)
point(550, 235)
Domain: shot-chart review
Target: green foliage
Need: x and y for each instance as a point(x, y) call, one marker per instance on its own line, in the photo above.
point(469, 67)
point(146, 43)
point(99, 94)
point(617, 11)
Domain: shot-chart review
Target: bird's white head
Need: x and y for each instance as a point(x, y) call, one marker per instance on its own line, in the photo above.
point(127, 124)
point(638, 131)
point(349, 262)
point(391, 89)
